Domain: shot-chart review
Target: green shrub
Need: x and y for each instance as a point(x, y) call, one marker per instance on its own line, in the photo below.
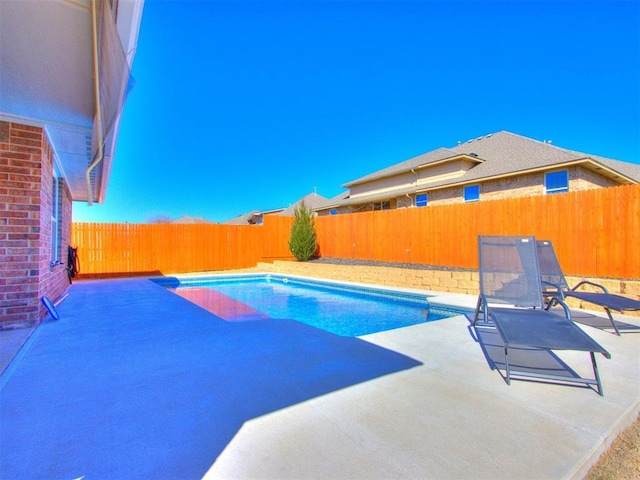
point(302, 241)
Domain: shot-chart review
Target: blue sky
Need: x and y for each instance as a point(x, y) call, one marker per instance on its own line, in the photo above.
point(244, 105)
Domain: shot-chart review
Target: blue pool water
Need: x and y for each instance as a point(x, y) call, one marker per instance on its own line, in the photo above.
point(338, 308)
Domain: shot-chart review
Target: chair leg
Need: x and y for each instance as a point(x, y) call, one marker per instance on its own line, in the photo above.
point(615, 327)
point(479, 306)
point(506, 364)
point(596, 374)
point(549, 304)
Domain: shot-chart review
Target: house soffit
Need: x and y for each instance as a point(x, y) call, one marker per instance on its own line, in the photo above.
point(46, 78)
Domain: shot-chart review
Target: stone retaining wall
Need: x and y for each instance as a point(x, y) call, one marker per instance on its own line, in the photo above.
point(442, 280)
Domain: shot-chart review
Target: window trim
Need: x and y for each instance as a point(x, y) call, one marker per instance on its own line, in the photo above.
point(383, 205)
point(466, 188)
point(561, 189)
point(56, 234)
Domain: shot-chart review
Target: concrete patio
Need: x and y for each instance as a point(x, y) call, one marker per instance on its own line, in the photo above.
point(136, 382)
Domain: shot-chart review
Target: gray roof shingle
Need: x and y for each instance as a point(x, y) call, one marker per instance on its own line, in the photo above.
point(501, 154)
point(312, 201)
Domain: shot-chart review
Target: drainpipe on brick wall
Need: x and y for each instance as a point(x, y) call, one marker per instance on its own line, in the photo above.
point(99, 156)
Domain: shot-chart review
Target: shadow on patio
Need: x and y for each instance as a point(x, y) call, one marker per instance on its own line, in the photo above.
point(134, 381)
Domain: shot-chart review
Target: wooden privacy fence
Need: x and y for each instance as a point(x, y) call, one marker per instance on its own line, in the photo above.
point(595, 233)
point(107, 248)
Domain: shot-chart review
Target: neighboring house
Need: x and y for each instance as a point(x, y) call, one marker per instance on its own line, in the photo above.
point(251, 218)
point(312, 201)
point(499, 165)
point(189, 219)
point(58, 60)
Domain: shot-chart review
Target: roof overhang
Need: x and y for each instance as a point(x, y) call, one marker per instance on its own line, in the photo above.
point(393, 172)
point(608, 172)
point(47, 79)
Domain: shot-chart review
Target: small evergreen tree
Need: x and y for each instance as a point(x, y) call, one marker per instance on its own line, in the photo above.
point(302, 241)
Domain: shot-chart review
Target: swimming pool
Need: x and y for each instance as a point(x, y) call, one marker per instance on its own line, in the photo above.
point(349, 310)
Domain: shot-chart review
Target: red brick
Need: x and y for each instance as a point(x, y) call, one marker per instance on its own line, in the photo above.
point(21, 280)
point(23, 287)
point(20, 177)
point(13, 259)
point(14, 215)
point(18, 317)
point(15, 157)
point(13, 200)
point(18, 269)
point(26, 149)
point(28, 142)
point(21, 309)
point(28, 128)
point(24, 208)
point(26, 134)
point(21, 295)
point(25, 188)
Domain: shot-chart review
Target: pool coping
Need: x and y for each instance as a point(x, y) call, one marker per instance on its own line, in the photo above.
point(456, 301)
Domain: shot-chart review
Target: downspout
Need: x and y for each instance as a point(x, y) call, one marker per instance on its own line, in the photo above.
point(416, 184)
point(99, 156)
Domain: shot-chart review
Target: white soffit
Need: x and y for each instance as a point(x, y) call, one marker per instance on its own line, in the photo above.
point(46, 62)
point(46, 74)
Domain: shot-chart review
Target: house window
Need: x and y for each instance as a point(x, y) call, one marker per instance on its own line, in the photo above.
point(333, 211)
point(55, 217)
point(386, 205)
point(556, 182)
point(471, 193)
point(421, 200)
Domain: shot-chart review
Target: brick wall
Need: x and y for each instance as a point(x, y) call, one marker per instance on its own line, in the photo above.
point(26, 176)
point(522, 186)
point(582, 179)
point(511, 187)
point(439, 280)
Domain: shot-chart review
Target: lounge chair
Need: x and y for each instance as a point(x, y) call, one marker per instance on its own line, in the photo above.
point(555, 286)
point(511, 299)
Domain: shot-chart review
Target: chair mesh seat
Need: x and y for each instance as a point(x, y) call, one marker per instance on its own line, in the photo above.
point(542, 329)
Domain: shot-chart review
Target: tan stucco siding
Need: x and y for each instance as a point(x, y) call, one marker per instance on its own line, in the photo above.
point(382, 185)
point(419, 177)
point(443, 171)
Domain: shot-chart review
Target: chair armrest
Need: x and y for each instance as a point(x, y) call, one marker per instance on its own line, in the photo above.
point(567, 312)
point(586, 282)
point(549, 289)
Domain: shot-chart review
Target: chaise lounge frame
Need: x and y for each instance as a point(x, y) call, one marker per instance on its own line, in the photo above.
point(511, 299)
point(555, 286)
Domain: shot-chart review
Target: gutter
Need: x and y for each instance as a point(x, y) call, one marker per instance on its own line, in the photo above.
point(99, 156)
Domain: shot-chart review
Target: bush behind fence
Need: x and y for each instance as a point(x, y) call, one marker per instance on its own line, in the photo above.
point(595, 233)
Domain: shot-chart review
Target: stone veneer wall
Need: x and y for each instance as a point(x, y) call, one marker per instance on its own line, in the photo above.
point(441, 280)
point(26, 182)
